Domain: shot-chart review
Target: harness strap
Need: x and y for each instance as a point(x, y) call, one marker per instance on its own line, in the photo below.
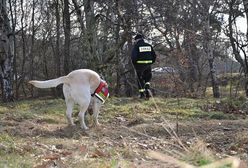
point(101, 91)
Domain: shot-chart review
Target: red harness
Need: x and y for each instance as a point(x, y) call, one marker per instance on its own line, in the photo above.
point(102, 91)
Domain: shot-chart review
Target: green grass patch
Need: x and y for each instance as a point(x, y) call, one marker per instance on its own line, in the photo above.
point(51, 109)
point(47, 110)
point(183, 107)
point(14, 160)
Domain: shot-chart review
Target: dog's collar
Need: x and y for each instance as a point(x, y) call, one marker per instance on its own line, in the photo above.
point(101, 91)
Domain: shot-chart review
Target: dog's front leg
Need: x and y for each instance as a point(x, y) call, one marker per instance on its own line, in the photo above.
point(96, 109)
point(95, 115)
point(70, 120)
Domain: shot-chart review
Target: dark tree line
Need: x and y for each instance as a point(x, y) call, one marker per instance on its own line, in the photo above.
point(46, 39)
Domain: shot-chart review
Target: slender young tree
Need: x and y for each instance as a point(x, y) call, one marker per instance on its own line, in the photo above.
point(31, 52)
point(12, 8)
point(67, 33)
point(57, 59)
point(245, 3)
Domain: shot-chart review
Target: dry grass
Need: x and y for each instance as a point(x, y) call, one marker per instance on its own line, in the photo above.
point(34, 133)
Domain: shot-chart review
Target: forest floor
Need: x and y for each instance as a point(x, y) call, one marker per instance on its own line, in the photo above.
point(34, 133)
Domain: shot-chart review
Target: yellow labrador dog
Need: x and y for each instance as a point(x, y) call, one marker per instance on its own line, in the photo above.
point(83, 87)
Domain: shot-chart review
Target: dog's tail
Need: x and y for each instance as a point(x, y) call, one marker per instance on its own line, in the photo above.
point(49, 83)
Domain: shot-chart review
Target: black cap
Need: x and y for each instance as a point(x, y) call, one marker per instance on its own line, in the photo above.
point(138, 36)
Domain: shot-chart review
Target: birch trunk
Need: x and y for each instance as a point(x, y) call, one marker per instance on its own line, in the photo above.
point(6, 54)
point(209, 53)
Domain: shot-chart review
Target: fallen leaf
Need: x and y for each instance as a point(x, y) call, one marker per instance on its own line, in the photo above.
point(66, 153)
point(52, 157)
point(82, 148)
point(98, 153)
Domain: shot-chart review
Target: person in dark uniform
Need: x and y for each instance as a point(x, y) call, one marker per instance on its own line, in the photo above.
point(143, 56)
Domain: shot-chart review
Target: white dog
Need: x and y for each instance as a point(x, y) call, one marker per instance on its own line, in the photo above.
point(83, 87)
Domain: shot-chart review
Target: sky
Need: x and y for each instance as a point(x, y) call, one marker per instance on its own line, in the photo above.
point(241, 22)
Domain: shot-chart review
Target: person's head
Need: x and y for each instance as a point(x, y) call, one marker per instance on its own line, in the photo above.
point(138, 37)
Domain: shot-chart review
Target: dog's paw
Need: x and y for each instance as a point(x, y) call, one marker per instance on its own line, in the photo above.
point(97, 124)
point(84, 127)
point(72, 125)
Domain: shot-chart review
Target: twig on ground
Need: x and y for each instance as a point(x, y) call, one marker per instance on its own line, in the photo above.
point(169, 159)
point(139, 133)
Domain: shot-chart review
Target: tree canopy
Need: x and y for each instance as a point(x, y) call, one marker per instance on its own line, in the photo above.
point(46, 39)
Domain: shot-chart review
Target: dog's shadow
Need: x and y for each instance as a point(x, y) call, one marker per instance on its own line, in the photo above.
point(73, 132)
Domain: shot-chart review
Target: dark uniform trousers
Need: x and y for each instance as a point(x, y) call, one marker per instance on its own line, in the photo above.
point(144, 75)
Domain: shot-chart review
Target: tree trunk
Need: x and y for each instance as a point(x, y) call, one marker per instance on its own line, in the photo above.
point(67, 31)
point(215, 86)
point(192, 55)
point(209, 53)
point(126, 73)
point(58, 91)
point(13, 23)
point(31, 54)
point(245, 3)
point(57, 48)
point(79, 15)
point(23, 41)
point(90, 34)
point(6, 54)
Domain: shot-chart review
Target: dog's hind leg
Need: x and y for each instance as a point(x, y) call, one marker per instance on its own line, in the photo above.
point(84, 103)
point(81, 115)
point(69, 104)
point(96, 110)
point(69, 110)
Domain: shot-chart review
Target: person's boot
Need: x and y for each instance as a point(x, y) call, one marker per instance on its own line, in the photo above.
point(147, 90)
point(147, 94)
point(142, 94)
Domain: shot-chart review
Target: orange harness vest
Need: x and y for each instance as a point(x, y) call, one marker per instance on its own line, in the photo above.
point(102, 91)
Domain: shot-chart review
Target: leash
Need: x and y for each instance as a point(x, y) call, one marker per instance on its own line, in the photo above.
point(161, 91)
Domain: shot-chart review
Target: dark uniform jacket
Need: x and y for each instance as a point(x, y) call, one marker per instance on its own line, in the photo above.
point(143, 54)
